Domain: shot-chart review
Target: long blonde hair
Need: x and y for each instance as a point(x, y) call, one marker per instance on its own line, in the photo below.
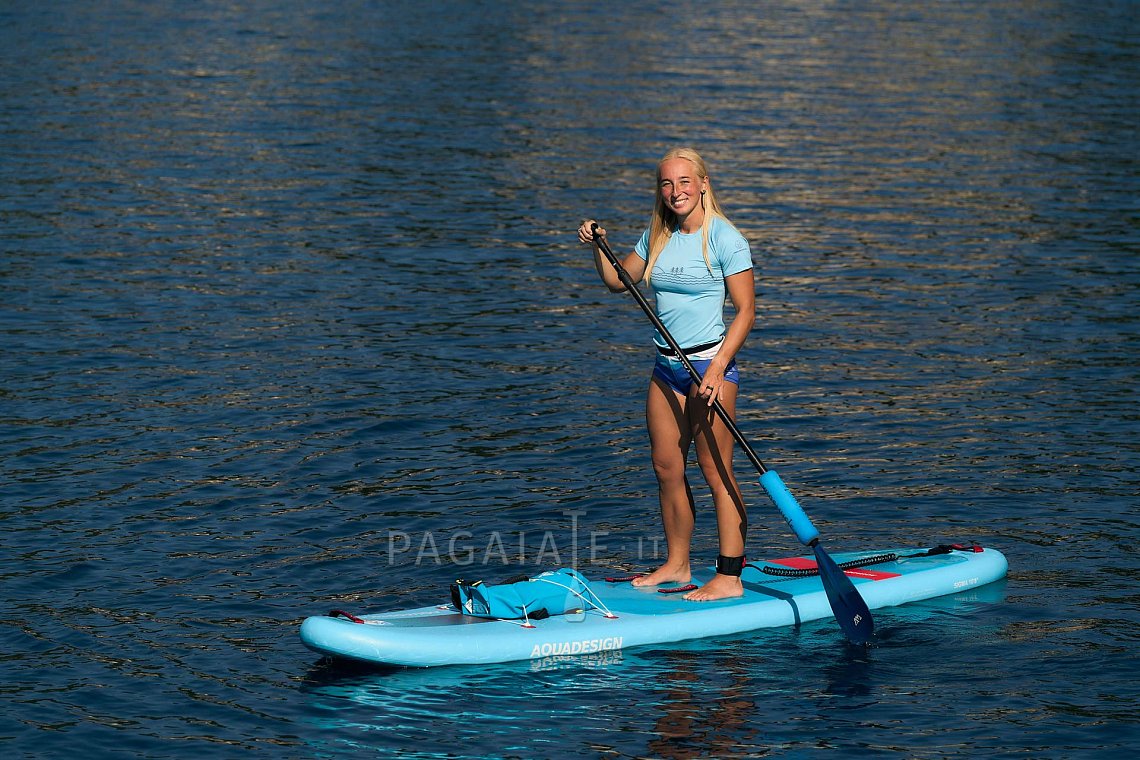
point(664, 221)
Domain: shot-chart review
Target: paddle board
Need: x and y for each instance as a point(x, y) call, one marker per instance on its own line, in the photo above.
point(780, 592)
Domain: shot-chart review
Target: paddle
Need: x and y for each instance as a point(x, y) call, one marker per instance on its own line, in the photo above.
point(851, 612)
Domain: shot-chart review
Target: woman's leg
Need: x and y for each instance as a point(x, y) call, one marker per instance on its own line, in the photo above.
point(669, 441)
point(714, 454)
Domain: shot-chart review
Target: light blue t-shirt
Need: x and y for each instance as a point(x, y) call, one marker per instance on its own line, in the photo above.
point(690, 299)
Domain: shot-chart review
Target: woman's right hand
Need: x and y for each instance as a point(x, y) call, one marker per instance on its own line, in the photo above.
point(586, 232)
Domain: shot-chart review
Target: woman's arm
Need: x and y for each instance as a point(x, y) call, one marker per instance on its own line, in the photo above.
point(742, 292)
point(741, 289)
point(633, 264)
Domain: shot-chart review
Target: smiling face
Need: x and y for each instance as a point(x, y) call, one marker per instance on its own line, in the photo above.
point(680, 186)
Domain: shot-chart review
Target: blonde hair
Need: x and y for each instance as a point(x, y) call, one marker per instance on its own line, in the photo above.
point(664, 221)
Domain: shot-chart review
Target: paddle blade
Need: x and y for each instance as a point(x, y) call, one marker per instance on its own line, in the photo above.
point(851, 612)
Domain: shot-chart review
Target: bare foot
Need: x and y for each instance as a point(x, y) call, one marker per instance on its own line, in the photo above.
point(720, 587)
point(665, 574)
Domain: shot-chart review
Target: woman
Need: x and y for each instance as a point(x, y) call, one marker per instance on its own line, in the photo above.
point(691, 256)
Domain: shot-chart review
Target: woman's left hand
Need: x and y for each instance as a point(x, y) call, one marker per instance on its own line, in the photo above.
point(712, 383)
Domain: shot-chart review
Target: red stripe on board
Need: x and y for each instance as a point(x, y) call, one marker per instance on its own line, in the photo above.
point(803, 563)
point(875, 575)
point(798, 563)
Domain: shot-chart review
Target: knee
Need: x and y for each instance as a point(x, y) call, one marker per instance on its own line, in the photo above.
point(713, 468)
point(720, 478)
point(669, 470)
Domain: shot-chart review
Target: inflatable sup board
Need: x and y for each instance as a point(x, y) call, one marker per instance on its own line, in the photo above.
point(613, 614)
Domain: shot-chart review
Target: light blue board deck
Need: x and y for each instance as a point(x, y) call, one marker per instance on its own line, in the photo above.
point(438, 635)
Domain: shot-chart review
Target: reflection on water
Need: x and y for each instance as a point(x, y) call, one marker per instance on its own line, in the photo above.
point(714, 698)
point(280, 280)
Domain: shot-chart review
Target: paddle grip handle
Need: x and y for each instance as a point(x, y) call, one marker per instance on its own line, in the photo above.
point(793, 513)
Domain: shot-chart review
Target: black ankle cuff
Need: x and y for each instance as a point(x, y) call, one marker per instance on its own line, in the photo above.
point(733, 566)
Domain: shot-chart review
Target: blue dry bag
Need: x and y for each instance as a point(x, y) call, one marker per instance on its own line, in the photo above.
point(554, 592)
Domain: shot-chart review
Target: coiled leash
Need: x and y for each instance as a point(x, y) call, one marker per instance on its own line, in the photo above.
point(878, 559)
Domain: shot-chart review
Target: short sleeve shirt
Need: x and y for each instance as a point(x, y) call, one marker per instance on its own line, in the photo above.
point(689, 298)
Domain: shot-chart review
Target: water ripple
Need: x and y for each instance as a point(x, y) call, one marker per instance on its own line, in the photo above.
point(294, 319)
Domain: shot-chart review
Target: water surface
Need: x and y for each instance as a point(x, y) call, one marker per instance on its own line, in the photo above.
point(294, 319)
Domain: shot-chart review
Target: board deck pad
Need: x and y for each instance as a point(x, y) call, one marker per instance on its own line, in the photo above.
point(806, 563)
point(637, 616)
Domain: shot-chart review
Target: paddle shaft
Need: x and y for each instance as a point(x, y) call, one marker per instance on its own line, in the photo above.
point(850, 609)
point(793, 513)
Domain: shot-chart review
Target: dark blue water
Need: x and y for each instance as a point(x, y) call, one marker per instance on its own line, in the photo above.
point(293, 318)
